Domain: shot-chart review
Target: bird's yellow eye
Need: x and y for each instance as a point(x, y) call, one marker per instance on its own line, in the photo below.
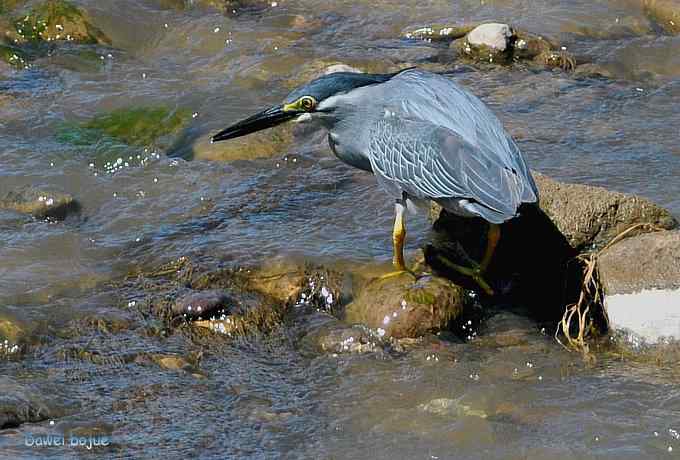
point(307, 103)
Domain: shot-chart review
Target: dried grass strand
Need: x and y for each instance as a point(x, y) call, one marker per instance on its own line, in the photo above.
point(591, 297)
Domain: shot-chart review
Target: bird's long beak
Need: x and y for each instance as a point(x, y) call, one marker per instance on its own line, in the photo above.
point(263, 120)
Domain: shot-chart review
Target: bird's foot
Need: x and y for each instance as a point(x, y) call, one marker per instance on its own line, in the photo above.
point(399, 272)
point(475, 273)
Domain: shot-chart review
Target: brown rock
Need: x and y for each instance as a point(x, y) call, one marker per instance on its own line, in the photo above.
point(647, 261)
point(666, 13)
point(397, 307)
point(591, 216)
point(41, 204)
point(11, 329)
point(265, 144)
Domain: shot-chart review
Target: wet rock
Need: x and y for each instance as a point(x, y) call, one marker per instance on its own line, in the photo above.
point(339, 338)
point(647, 261)
point(172, 362)
point(398, 307)
point(300, 284)
point(591, 216)
point(487, 42)
point(541, 51)
point(438, 32)
point(40, 203)
point(451, 407)
point(491, 35)
point(642, 281)
point(261, 318)
point(505, 330)
point(12, 329)
point(593, 71)
point(263, 144)
point(666, 13)
point(22, 404)
point(14, 56)
point(56, 20)
point(201, 304)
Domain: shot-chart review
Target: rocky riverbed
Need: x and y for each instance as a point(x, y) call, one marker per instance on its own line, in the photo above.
point(162, 296)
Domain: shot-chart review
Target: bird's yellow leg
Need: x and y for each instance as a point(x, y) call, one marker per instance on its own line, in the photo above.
point(493, 236)
point(474, 273)
point(398, 238)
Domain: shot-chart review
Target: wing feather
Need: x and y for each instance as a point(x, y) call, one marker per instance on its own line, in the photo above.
point(433, 162)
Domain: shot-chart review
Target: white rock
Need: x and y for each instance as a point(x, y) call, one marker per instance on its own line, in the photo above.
point(649, 314)
point(493, 35)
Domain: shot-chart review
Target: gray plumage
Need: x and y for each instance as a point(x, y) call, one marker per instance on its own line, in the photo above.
point(422, 134)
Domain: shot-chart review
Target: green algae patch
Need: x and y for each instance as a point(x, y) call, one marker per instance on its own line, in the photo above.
point(58, 20)
point(141, 126)
point(13, 56)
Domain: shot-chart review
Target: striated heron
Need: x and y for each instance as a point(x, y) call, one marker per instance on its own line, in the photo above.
point(424, 138)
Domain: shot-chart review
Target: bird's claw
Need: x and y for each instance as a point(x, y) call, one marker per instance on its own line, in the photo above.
point(399, 272)
point(476, 273)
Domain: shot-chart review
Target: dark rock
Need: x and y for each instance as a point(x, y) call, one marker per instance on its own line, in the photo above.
point(41, 204)
point(202, 304)
point(647, 261)
point(666, 13)
point(398, 307)
point(22, 404)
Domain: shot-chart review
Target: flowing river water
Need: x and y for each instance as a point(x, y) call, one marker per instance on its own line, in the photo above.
point(266, 397)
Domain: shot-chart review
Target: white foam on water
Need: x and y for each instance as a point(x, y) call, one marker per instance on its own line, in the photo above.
point(651, 314)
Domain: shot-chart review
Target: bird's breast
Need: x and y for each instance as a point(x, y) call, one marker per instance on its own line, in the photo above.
point(348, 153)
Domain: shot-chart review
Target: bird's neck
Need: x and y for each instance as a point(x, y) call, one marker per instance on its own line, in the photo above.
point(348, 150)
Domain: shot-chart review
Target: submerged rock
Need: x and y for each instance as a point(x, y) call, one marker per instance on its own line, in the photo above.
point(39, 203)
point(452, 408)
point(263, 144)
point(21, 404)
point(398, 307)
point(666, 13)
point(14, 56)
point(141, 126)
point(56, 20)
point(172, 362)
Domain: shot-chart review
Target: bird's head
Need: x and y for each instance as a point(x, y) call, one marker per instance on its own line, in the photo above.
point(316, 98)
